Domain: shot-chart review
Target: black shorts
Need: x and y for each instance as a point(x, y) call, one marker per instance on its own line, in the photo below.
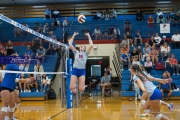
point(4, 88)
point(166, 90)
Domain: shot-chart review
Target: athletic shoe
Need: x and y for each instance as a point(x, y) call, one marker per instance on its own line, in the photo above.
point(90, 95)
point(171, 106)
point(6, 118)
point(145, 115)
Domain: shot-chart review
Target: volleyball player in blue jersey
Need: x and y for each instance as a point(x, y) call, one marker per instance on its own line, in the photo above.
point(7, 88)
point(143, 80)
point(79, 64)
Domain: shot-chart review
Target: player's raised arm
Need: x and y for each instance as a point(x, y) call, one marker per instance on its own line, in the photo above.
point(90, 42)
point(71, 41)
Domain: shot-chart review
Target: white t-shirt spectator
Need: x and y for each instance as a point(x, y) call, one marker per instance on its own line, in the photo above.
point(157, 39)
point(135, 62)
point(159, 13)
point(116, 31)
point(166, 50)
point(65, 22)
point(148, 64)
point(56, 12)
point(176, 37)
point(97, 31)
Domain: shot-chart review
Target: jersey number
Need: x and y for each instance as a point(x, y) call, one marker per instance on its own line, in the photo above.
point(80, 56)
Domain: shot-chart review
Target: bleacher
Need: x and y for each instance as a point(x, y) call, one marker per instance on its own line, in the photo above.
point(125, 93)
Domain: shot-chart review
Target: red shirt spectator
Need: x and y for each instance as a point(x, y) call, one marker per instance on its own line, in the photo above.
point(150, 22)
point(173, 61)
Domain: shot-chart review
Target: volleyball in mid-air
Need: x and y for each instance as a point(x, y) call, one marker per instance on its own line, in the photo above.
point(81, 18)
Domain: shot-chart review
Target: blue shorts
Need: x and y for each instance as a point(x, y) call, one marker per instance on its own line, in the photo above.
point(157, 95)
point(78, 72)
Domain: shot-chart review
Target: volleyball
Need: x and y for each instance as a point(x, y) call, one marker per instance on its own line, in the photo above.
point(81, 19)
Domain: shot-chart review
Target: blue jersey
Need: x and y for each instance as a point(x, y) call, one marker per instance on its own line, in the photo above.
point(9, 78)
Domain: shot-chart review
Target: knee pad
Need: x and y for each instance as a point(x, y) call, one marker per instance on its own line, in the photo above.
point(4, 109)
point(11, 109)
point(17, 105)
point(159, 116)
point(147, 111)
point(143, 102)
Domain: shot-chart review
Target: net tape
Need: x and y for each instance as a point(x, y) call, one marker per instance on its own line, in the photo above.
point(8, 71)
point(8, 20)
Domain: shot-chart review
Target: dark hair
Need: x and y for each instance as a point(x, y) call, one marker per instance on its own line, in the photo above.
point(139, 71)
point(43, 77)
point(31, 75)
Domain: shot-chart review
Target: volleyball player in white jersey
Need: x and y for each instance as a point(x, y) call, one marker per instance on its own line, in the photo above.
point(80, 58)
point(142, 79)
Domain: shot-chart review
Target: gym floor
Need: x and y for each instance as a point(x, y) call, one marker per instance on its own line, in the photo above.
point(91, 108)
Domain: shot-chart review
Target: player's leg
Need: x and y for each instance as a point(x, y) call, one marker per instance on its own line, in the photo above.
point(5, 96)
point(11, 108)
point(81, 83)
point(73, 83)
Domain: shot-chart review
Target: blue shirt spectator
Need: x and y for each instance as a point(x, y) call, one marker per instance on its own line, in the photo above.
point(47, 13)
point(46, 44)
point(165, 86)
point(28, 52)
point(125, 56)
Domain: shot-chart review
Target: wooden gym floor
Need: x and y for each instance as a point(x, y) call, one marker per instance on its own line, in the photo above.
point(108, 109)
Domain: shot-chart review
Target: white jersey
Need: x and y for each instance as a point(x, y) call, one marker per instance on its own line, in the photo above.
point(149, 86)
point(80, 59)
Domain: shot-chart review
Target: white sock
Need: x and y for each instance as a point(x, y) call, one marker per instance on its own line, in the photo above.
point(143, 102)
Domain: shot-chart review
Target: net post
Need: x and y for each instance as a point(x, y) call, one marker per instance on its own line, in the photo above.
point(77, 94)
point(69, 97)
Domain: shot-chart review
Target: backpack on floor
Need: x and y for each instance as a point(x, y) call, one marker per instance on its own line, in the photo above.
point(51, 94)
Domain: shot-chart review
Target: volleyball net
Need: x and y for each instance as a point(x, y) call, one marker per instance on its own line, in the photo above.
point(65, 76)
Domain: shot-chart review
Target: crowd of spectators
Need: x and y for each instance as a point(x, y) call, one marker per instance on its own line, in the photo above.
point(105, 14)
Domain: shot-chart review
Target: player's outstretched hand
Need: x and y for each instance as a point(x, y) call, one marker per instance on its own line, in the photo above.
point(87, 34)
point(76, 33)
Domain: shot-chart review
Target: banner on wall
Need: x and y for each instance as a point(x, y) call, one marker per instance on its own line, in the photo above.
point(165, 28)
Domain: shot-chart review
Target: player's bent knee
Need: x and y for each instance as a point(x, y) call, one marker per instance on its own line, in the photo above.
point(81, 89)
point(17, 105)
point(11, 109)
point(4, 109)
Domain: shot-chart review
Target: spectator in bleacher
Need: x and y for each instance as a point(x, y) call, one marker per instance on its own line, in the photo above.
point(124, 49)
point(146, 51)
point(40, 54)
point(165, 88)
point(51, 35)
point(157, 39)
point(52, 28)
point(9, 48)
point(25, 32)
point(47, 13)
point(113, 14)
point(135, 60)
point(159, 17)
point(17, 31)
point(139, 15)
point(134, 53)
point(148, 65)
point(65, 22)
point(36, 27)
point(5, 53)
point(105, 82)
point(28, 52)
point(97, 33)
point(45, 44)
point(150, 22)
point(38, 68)
point(139, 50)
point(46, 28)
point(127, 27)
point(151, 41)
point(106, 15)
point(36, 42)
point(116, 34)
point(2, 49)
point(125, 41)
point(168, 19)
point(138, 37)
point(56, 22)
point(164, 40)
point(174, 64)
point(154, 55)
point(129, 37)
point(22, 84)
point(56, 14)
point(176, 20)
point(44, 82)
point(173, 85)
point(56, 47)
point(98, 15)
point(105, 34)
point(93, 82)
point(111, 30)
point(32, 83)
point(40, 28)
point(165, 51)
point(125, 60)
point(172, 14)
point(175, 40)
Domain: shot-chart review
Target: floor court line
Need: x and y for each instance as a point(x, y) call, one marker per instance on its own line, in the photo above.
point(65, 110)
